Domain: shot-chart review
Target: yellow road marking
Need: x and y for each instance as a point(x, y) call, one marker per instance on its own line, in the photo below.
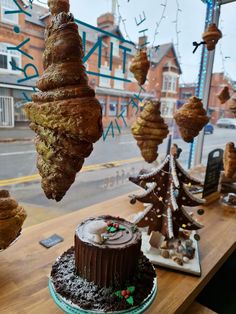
point(35, 177)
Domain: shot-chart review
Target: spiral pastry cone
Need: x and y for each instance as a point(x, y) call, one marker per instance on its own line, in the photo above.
point(150, 130)
point(211, 36)
point(224, 95)
point(140, 66)
point(12, 217)
point(65, 114)
point(229, 160)
point(191, 118)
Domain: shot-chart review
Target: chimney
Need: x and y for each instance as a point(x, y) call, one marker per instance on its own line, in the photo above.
point(105, 21)
point(142, 41)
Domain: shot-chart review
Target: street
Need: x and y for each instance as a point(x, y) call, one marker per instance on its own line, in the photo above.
point(105, 173)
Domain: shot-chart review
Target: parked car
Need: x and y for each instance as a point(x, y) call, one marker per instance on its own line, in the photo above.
point(229, 123)
point(209, 129)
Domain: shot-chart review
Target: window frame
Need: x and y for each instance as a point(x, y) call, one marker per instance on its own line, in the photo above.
point(10, 54)
point(105, 81)
point(118, 84)
point(169, 84)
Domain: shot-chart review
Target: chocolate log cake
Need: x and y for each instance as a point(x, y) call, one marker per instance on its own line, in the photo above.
point(106, 250)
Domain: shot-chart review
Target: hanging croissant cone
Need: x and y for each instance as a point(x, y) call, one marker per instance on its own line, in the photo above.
point(65, 113)
point(211, 36)
point(191, 118)
point(12, 217)
point(150, 130)
point(140, 66)
point(58, 6)
point(224, 95)
point(230, 160)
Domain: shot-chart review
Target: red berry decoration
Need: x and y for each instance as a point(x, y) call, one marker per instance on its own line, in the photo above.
point(109, 223)
point(127, 292)
point(126, 296)
point(123, 293)
point(116, 226)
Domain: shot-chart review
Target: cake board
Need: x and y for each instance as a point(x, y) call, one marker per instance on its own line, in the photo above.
point(192, 267)
point(70, 308)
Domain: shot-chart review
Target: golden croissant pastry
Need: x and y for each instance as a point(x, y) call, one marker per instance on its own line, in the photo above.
point(65, 114)
point(12, 217)
point(229, 160)
point(58, 6)
point(224, 95)
point(211, 36)
point(150, 130)
point(191, 118)
point(140, 66)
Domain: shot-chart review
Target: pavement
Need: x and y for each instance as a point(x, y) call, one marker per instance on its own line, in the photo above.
point(19, 134)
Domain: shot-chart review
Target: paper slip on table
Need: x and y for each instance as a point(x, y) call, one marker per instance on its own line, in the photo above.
point(25, 266)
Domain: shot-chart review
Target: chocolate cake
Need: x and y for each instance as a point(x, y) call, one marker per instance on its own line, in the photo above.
point(105, 270)
point(106, 258)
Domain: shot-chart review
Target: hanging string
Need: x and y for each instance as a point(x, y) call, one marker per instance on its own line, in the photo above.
point(177, 31)
point(121, 19)
point(223, 58)
point(158, 23)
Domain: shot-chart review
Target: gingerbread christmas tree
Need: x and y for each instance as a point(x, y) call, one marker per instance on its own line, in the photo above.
point(166, 191)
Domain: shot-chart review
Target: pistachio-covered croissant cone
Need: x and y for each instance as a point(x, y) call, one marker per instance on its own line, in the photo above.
point(65, 113)
point(12, 217)
point(230, 160)
point(150, 130)
point(140, 66)
point(191, 118)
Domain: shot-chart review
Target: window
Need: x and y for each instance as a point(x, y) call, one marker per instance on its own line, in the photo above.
point(105, 81)
point(103, 105)
point(169, 82)
point(124, 108)
point(167, 108)
point(113, 108)
point(186, 95)
point(118, 84)
point(115, 47)
point(9, 5)
point(9, 58)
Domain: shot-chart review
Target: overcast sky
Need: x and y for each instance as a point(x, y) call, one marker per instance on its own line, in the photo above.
point(190, 24)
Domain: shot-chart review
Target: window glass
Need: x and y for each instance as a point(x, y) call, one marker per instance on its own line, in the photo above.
point(119, 84)
point(113, 108)
point(9, 58)
point(9, 5)
point(105, 81)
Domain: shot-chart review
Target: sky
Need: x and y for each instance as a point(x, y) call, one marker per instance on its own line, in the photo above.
point(190, 26)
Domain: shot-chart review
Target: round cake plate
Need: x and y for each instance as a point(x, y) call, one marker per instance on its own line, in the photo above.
point(70, 308)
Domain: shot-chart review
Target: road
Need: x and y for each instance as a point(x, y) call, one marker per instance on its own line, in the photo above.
point(104, 176)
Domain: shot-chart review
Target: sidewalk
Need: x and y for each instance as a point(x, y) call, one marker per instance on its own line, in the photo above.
point(16, 134)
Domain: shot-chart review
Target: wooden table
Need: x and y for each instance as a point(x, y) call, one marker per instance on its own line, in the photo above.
point(24, 267)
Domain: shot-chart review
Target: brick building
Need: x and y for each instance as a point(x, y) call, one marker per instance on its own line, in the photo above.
point(114, 84)
point(216, 110)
